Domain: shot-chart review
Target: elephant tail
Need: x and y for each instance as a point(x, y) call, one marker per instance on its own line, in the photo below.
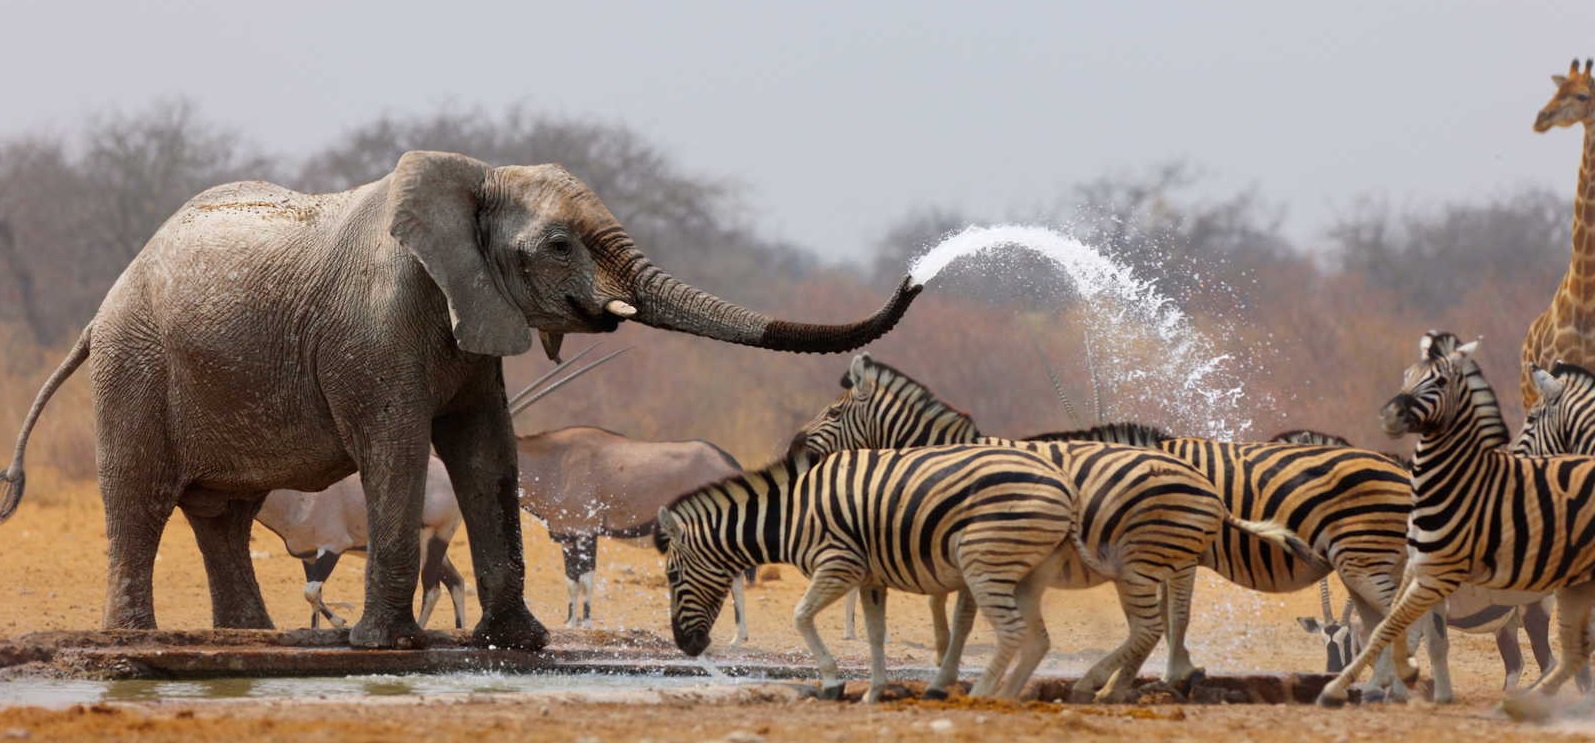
point(12, 479)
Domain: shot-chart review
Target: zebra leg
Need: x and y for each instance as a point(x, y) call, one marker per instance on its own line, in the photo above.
point(1511, 654)
point(848, 632)
point(938, 622)
point(1418, 595)
point(316, 573)
point(1573, 605)
point(1036, 642)
point(1175, 594)
point(828, 585)
point(875, 629)
point(997, 601)
point(1138, 597)
point(963, 623)
point(739, 601)
point(1386, 683)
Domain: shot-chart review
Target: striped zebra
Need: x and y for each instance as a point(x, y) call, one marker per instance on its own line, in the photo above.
point(990, 520)
point(1349, 505)
point(1482, 515)
point(1470, 609)
point(1562, 421)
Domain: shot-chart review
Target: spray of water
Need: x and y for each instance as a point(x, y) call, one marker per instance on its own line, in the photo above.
point(1147, 345)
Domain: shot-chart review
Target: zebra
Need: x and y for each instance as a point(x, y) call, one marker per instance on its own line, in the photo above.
point(1483, 515)
point(1470, 609)
point(994, 521)
point(1349, 504)
point(1562, 421)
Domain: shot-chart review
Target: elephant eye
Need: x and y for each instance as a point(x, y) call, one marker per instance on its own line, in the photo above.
point(558, 246)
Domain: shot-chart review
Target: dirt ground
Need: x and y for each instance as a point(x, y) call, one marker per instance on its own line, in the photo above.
point(54, 557)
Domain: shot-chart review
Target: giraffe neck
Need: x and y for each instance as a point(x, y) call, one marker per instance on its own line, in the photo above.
point(1578, 288)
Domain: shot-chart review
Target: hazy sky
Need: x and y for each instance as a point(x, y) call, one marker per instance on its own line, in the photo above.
point(841, 116)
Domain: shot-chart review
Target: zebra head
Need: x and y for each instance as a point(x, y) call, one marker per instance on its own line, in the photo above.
point(698, 583)
point(1434, 389)
point(882, 408)
point(1562, 421)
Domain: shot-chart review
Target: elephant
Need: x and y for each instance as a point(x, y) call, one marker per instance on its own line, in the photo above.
point(265, 338)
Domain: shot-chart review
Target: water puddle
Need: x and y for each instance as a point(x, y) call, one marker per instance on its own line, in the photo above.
point(45, 692)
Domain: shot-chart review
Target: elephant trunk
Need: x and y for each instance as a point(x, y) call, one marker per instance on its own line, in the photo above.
point(664, 302)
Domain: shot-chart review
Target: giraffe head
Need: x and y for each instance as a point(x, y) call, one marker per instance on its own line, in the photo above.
point(1572, 103)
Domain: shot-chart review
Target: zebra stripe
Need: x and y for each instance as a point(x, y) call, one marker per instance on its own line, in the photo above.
point(1470, 609)
point(1350, 505)
point(935, 520)
point(1562, 420)
point(1482, 515)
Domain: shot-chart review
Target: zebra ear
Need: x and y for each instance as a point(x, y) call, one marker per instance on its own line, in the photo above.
point(1465, 350)
point(1549, 386)
point(669, 527)
point(856, 372)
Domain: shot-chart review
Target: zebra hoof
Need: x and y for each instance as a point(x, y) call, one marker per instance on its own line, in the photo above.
point(1332, 701)
point(831, 692)
point(1527, 707)
point(934, 694)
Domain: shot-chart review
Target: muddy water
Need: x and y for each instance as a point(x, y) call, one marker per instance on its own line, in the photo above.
point(42, 692)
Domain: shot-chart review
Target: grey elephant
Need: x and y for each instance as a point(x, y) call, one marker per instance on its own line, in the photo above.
point(269, 339)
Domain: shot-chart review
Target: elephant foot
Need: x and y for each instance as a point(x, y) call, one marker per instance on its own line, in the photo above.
point(404, 635)
point(1082, 696)
point(251, 619)
point(832, 692)
point(934, 694)
point(516, 629)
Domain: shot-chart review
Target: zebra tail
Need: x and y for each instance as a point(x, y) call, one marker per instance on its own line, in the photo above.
point(1279, 536)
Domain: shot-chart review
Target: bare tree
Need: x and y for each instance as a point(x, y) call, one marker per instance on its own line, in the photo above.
point(1433, 259)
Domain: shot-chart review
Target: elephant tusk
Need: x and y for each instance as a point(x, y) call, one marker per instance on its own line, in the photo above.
point(551, 344)
point(620, 308)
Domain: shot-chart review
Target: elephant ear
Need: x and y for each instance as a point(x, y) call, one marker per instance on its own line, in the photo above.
point(433, 201)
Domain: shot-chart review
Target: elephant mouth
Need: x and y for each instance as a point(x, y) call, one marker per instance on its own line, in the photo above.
point(595, 321)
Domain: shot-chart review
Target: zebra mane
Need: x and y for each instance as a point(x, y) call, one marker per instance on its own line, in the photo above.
point(1309, 436)
point(911, 390)
point(1572, 372)
point(783, 469)
point(1118, 432)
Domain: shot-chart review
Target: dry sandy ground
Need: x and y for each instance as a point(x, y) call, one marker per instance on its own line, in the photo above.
point(53, 555)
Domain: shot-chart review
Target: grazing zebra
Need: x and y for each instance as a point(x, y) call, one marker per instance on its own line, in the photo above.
point(1349, 505)
point(994, 521)
point(1482, 515)
point(1470, 609)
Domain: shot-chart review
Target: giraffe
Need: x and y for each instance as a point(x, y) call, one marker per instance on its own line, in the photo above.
point(1566, 331)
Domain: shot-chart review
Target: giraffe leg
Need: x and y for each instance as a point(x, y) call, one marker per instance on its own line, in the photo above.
point(1418, 595)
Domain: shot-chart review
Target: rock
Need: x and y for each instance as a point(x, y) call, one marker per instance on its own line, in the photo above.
point(941, 725)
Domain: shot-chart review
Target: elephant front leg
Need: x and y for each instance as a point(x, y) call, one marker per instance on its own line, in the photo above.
point(394, 481)
point(478, 447)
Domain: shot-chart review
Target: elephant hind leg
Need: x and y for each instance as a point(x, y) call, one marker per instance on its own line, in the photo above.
point(134, 521)
point(221, 530)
